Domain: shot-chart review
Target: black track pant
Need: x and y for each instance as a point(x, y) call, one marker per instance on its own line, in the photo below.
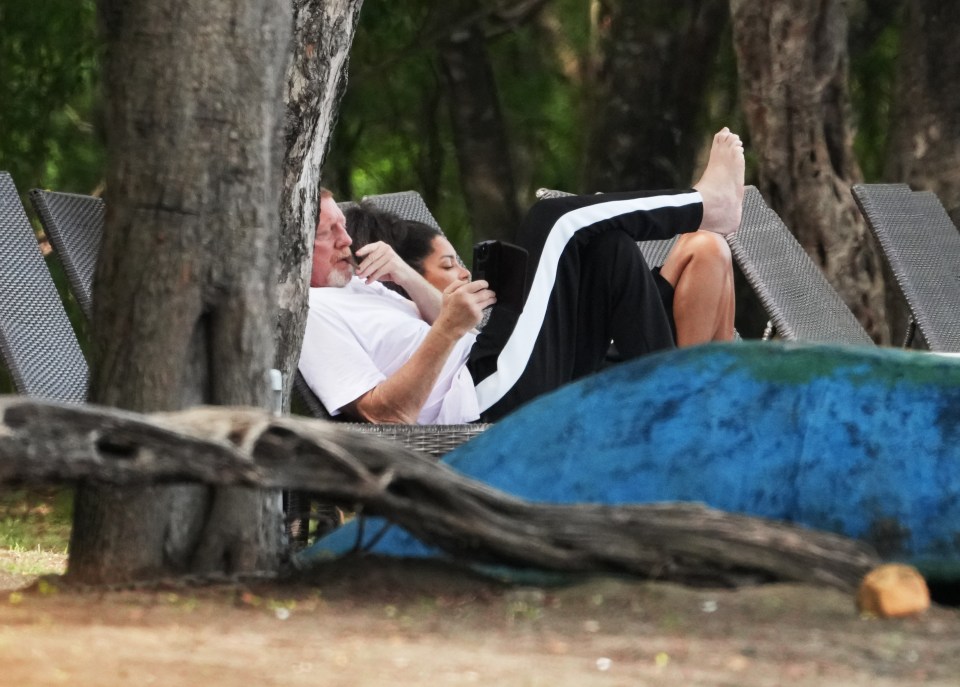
point(588, 284)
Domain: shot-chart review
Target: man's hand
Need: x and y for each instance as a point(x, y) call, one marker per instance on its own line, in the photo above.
point(401, 396)
point(463, 306)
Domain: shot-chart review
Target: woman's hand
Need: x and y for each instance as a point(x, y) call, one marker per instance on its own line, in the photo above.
point(380, 262)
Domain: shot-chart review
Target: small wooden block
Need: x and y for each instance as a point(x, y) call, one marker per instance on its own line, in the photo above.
point(893, 591)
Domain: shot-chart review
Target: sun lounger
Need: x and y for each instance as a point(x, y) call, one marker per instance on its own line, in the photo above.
point(922, 247)
point(37, 341)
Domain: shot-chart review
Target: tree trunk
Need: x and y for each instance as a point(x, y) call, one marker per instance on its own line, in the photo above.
point(185, 289)
point(486, 173)
point(925, 133)
point(316, 80)
point(43, 443)
point(792, 61)
point(649, 92)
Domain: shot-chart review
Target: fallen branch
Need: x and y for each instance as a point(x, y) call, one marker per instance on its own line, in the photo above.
point(45, 442)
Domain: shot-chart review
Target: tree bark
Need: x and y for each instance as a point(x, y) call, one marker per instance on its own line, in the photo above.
point(792, 63)
point(315, 82)
point(479, 133)
point(44, 442)
point(649, 92)
point(185, 289)
point(925, 132)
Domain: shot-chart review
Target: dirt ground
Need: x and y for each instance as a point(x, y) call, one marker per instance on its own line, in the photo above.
point(374, 622)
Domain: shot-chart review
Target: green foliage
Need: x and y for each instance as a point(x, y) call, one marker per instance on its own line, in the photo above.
point(394, 128)
point(392, 134)
point(47, 87)
point(874, 49)
point(541, 108)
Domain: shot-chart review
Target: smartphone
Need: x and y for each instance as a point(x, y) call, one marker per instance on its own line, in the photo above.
point(504, 266)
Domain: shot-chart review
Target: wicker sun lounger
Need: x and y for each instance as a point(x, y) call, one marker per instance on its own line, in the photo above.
point(922, 246)
point(38, 344)
point(801, 303)
point(74, 224)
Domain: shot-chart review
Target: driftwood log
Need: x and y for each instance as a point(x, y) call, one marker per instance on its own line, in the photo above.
point(43, 442)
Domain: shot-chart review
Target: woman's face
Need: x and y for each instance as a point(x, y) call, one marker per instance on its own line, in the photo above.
point(442, 266)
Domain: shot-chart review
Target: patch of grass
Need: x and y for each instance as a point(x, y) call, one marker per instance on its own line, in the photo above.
point(36, 519)
point(32, 563)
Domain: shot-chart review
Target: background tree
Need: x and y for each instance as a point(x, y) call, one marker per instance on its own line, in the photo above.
point(792, 60)
point(648, 91)
point(875, 36)
point(925, 130)
point(480, 138)
point(392, 133)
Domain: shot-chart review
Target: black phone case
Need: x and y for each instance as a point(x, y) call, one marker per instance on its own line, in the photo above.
point(504, 266)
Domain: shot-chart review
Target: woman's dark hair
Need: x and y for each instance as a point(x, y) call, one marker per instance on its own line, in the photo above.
point(413, 241)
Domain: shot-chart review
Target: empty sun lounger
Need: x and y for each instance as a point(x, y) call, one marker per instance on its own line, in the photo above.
point(922, 246)
point(37, 341)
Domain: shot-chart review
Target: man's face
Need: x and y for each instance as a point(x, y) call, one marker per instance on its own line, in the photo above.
point(332, 261)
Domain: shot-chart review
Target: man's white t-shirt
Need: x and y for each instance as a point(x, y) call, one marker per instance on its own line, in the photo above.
point(360, 334)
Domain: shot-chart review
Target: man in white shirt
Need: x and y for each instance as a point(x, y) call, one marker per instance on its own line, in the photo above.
point(373, 355)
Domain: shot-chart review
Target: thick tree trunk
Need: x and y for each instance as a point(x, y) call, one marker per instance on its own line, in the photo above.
point(792, 61)
point(43, 443)
point(649, 92)
point(185, 288)
point(486, 172)
point(315, 82)
point(925, 133)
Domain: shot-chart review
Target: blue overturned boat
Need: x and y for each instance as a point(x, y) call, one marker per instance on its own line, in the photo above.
point(863, 442)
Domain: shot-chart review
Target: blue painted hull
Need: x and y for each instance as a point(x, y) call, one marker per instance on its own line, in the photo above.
point(858, 441)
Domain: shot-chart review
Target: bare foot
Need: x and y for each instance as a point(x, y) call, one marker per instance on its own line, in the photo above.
point(722, 184)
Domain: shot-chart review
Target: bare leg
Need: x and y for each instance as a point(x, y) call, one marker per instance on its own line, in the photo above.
point(700, 269)
point(721, 185)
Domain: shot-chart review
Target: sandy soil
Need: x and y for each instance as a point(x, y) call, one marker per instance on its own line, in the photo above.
point(375, 623)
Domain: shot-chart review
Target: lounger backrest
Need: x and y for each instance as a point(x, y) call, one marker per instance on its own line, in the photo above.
point(406, 204)
point(38, 343)
point(799, 300)
point(922, 246)
point(74, 224)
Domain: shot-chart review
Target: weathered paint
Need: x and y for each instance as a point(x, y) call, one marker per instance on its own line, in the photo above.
point(859, 441)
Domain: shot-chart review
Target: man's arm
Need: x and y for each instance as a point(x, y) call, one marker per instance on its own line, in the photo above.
point(379, 262)
point(400, 397)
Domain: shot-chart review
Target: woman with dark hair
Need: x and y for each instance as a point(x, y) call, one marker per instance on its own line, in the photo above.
point(421, 246)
